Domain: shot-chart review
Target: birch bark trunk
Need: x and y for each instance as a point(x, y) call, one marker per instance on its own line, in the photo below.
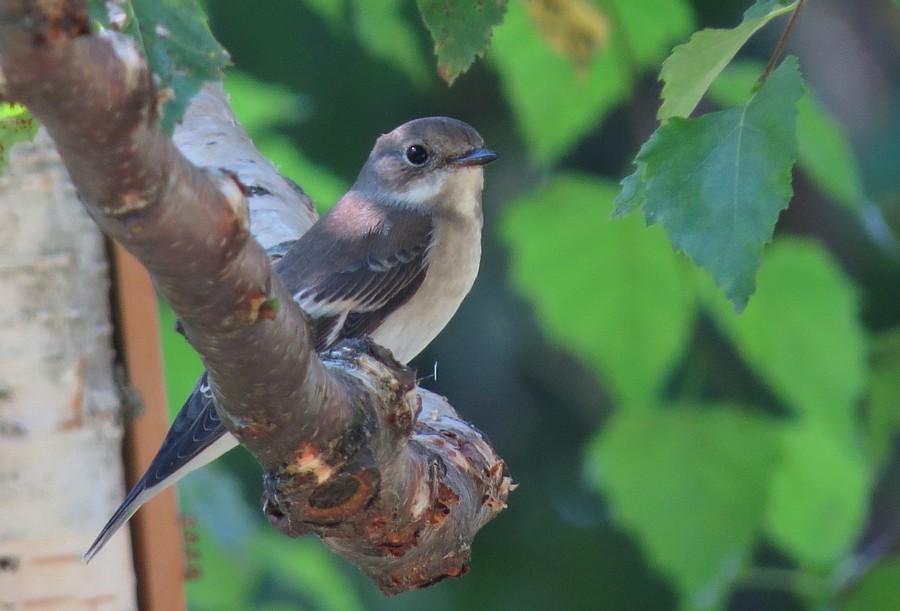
point(60, 424)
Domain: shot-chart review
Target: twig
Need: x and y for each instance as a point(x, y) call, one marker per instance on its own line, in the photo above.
point(776, 55)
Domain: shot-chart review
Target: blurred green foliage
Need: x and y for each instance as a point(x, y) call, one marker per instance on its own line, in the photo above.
point(671, 452)
point(649, 302)
point(16, 125)
point(557, 95)
point(261, 108)
point(689, 481)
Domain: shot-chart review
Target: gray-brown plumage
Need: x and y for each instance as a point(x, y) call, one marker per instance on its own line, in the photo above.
point(393, 259)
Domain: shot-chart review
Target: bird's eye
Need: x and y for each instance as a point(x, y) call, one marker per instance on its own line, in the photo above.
point(417, 154)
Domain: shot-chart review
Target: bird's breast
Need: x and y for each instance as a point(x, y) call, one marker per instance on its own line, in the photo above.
point(453, 262)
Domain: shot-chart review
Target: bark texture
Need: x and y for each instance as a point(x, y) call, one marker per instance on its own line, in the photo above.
point(352, 450)
point(60, 425)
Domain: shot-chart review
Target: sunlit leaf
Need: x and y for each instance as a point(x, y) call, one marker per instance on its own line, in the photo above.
point(802, 335)
point(882, 415)
point(691, 484)
point(650, 27)
point(384, 30)
point(825, 155)
point(262, 106)
point(693, 66)
point(16, 125)
point(718, 183)
point(332, 11)
point(613, 292)
point(819, 495)
point(461, 30)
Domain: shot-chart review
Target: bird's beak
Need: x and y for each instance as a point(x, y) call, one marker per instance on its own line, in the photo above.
point(479, 156)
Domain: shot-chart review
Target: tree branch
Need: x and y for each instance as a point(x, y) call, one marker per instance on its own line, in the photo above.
point(352, 450)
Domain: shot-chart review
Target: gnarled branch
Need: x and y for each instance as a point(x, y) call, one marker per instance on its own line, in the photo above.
point(352, 450)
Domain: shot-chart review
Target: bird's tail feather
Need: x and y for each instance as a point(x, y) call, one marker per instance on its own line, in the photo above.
point(195, 438)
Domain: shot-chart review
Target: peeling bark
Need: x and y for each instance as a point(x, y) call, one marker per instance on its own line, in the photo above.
point(352, 450)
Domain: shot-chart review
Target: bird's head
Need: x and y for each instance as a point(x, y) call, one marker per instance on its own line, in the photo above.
point(431, 164)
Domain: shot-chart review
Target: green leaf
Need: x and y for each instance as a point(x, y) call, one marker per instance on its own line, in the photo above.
point(461, 30)
point(385, 32)
point(554, 100)
point(611, 291)
point(381, 28)
point(718, 183)
point(650, 27)
point(322, 186)
point(877, 590)
point(226, 580)
point(737, 83)
point(823, 152)
point(632, 195)
point(182, 365)
point(304, 569)
point(693, 66)
point(691, 483)
point(332, 11)
point(264, 110)
point(16, 125)
point(261, 106)
point(819, 495)
point(802, 335)
point(883, 406)
point(557, 99)
point(180, 50)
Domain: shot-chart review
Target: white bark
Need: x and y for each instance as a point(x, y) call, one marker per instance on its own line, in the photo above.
point(60, 425)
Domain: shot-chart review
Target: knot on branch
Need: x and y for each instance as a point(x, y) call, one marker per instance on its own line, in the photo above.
point(328, 481)
point(401, 492)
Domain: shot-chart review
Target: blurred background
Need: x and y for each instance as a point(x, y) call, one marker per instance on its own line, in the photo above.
point(669, 454)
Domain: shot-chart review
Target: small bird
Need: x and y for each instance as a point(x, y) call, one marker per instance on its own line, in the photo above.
point(393, 259)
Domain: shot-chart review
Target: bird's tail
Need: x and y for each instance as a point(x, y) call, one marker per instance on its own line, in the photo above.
point(195, 438)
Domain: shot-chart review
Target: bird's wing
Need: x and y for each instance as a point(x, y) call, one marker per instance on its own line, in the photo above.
point(356, 265)
point(352, 301)
point(195, 438)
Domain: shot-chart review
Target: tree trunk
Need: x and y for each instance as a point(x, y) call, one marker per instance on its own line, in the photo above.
point(60, 423)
